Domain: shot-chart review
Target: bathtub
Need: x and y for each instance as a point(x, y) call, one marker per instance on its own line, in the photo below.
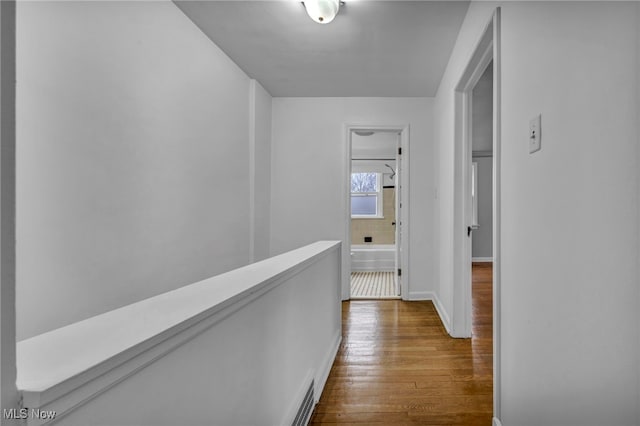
point(373, 257)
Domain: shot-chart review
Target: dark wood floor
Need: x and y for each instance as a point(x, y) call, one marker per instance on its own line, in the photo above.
point(397, 365)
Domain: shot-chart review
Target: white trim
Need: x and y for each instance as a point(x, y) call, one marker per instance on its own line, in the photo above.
point(487, 48)
point(463, 209)
point(497, 213)
point(482, 259)
point(474, 194)
point(252, 170)
point(403, 169)
point(496, 422)
point(325, 367)
point(433, 297)
point(444, 317)
point(346, 207)
point(8, 391)
point(193, 309)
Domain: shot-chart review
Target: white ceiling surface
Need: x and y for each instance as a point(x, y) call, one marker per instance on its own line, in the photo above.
point(372, 48)
point(380, 145)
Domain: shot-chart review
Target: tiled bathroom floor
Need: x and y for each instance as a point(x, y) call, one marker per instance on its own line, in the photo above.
point(373, 285)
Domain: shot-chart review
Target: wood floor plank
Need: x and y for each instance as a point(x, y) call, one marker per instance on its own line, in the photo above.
point(397, 365)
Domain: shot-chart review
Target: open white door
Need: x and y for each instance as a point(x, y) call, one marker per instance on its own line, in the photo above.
point(398, 219)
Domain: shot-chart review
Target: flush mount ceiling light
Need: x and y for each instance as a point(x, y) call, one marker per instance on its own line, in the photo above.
point(322, 11)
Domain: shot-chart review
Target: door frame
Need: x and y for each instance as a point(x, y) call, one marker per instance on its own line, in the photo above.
point(402, 168)
point(487, 49)
point(9, 396)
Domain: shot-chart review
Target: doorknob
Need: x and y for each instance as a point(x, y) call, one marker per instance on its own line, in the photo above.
point(471, 228)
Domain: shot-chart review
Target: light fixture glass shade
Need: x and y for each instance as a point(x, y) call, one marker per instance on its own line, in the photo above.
point(322, 11)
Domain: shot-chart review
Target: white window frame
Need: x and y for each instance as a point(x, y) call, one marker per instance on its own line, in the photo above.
point(474, 194)
point(379, 202)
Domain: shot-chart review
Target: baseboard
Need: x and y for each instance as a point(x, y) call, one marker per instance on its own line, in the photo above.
point(442, 313)
point(482, 259)
point(497, 422)
point(325, 367)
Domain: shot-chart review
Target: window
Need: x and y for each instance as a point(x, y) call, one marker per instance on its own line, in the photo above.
point(474, 194)
point(366, 195)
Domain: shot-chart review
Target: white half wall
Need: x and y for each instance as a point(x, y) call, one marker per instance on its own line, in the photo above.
point(133, 158)
point(308, 157)
point(239, 349)
point(569, 289)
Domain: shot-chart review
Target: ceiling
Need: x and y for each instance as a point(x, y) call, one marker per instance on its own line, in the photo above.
point(379, 145)
point(372, 48)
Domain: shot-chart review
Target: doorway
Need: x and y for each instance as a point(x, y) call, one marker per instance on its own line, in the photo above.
point(482, 168)
point(485, 59)
point(375, 214)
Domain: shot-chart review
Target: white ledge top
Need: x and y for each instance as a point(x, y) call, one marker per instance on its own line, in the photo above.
point(52, 358)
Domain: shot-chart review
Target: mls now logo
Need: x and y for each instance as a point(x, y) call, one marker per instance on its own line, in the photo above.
point(25, 413)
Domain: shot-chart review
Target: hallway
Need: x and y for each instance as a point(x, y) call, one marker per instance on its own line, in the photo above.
point(397, 365)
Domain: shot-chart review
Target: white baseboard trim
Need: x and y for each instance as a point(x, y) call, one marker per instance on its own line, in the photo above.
point(444, 316)
point(325, 367)
point(482, 259)
point(497, 422)
point(442, 313)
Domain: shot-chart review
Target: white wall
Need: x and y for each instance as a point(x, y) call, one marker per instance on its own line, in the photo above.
point(308, 158)
point(569, 213)
point(132, 158)
point(260, 169)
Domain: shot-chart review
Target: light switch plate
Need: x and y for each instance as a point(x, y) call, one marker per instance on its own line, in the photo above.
point(535, 133)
